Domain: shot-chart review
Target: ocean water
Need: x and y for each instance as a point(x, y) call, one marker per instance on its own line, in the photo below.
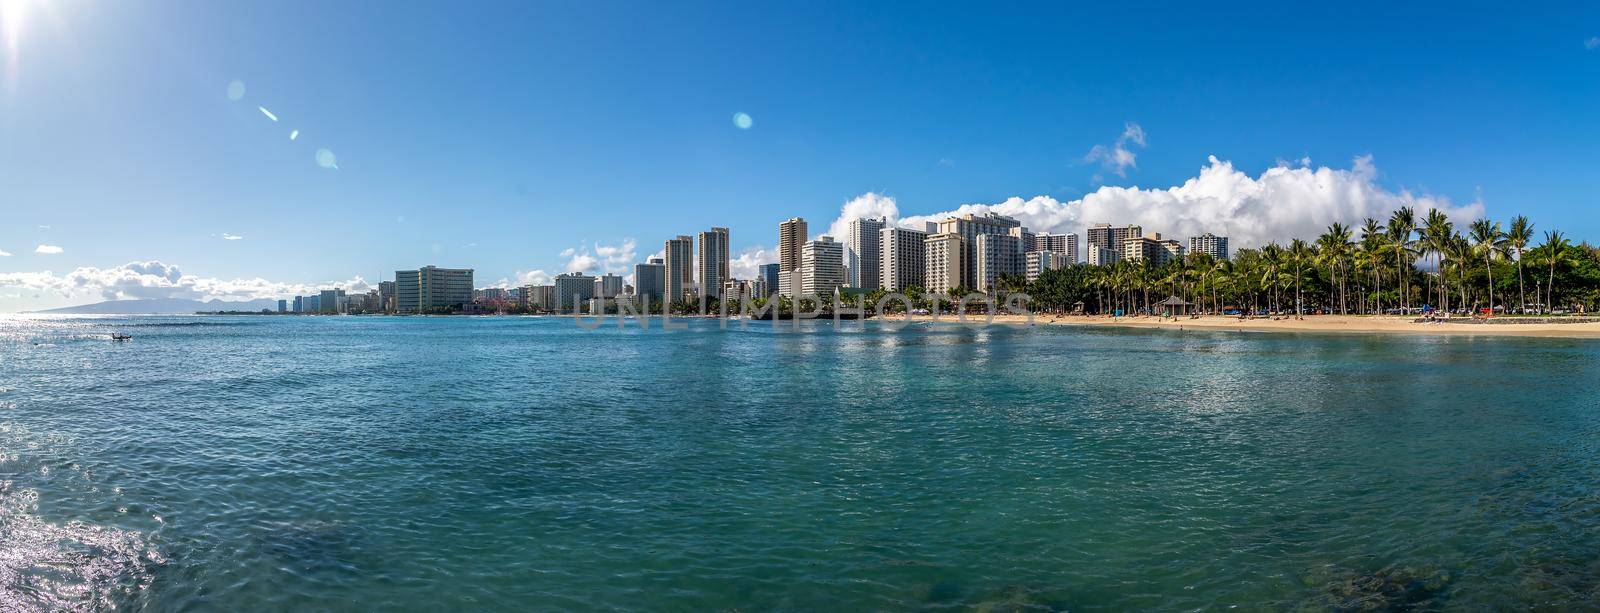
point(222, 463)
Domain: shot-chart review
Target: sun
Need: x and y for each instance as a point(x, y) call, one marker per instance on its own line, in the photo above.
point(13, 16)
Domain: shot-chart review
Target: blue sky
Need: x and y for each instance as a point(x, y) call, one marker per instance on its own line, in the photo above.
point(498, 136)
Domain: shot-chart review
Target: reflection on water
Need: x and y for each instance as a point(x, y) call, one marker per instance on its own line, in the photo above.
point(446, 463)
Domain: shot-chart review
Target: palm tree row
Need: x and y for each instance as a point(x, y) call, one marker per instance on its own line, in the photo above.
point(1398, 266)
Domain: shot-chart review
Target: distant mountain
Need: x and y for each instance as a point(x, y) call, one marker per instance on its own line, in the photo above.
point(163, 306)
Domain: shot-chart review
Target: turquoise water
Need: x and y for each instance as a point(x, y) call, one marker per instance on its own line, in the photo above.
point(447, 463)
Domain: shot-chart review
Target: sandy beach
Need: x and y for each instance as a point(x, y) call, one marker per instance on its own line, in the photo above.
point(1315, 323)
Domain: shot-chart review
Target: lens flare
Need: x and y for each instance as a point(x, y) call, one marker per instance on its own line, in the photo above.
point(743, 121)
point(236, 90)
point(325, 159)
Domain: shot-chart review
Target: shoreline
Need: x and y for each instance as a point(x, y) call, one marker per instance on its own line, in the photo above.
point(1357, 324)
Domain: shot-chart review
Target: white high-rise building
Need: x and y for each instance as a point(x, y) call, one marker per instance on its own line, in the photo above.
point(902, 258)
point(821, 266)
point(1061, 244)
point(942, 262)
point(1210, 243)
point(996, 255)
point(968, 227)
point(713, 260)
point(680, 268)
point(1152, 248)
point(1103, 256)
point(572, 289)
point(1104, 235)
point(1036, 262)
point(862, 252)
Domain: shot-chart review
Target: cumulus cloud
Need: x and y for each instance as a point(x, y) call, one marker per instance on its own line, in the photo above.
point(4, 253)
point(747, 265)
point(154, 279)
point(1119, 157)
point(48, 249)
point(870, 205)
point(1281, 203)
point(601, 257)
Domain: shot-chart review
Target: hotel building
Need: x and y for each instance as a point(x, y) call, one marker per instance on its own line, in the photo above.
point(1216, 246)
point(996, 255)
point(431, 288)
point(572, 289)
point(821, 266)
point(863, 251)
point(1036, 262)
point(902, 258)
point(791, 236)
point(942, 260)
point(713, 259)
point(968, 227)
point(679, 263)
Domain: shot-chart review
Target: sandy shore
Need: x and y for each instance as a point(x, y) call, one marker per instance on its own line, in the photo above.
point(1315, 323)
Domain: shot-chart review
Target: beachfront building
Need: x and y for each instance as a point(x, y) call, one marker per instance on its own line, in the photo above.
point(969, 227)
point(431, 288)
point(572, 289)
point(791, 236)
point(1036, 262)
point(996, 255)
point(607, 286)
point(1103, 256)
point(901, 258)
point(942, 262)
point(386, 296)
point(679, 262)
point(1061, 244)
point(769, 278)
point(331, 301)
point(650, 280)
point(1104, 235)
point(542, 297)
point(821, 266)
point(283, 306)
point(1208, 243)
point(713, 260)
point(862, 252)
point(1151, 248)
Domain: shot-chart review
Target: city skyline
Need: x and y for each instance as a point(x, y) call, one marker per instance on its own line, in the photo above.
point(225, 175)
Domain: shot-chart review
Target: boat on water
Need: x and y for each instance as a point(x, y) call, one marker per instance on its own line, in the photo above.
point(118, 336)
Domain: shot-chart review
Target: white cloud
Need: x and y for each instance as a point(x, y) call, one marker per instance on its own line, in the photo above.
point(1280, 204)
point(870, 205)
point(1119, 157)
point(747, 265)
point(231, 237)
point(4, 254)
point(154, 279)
point(601, 257)
point(1591, 43)
point(48, 249)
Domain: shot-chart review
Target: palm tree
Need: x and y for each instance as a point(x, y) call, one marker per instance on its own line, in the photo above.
point(1488, 240)
point(1402, 224)
point(1438, 235)
point(1555, 245)
point(1334, 246)
point(1517, 238)
point(1373, 243)
point(1299, 255)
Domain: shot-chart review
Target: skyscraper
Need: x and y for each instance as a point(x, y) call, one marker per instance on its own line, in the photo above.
point(1036, 262)
point(386, 296)
point(572, 289)
point(650, 280)
point(769, 274)
point(791, 235)
point(863, 252)
point(607, 286)
point(1210, 243)
point(996, 255)
point(680, 268)
point(431, 288)
point(821, 267)
point(902, 258)
point(1104, 235)
point(968, 227)
point(1061, 244)
point(942, 261)
point(713, 260)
